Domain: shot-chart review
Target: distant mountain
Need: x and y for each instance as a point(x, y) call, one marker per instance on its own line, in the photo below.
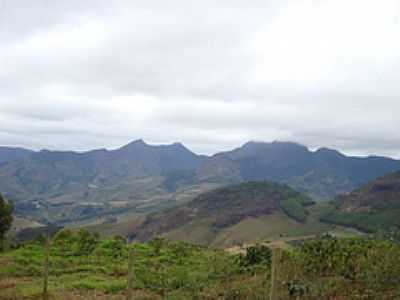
point(236, 213)
point(83, 182)
point(373, 207)
point(8, 154)
point(49, 172)
point(322, 174)
point(67, 186)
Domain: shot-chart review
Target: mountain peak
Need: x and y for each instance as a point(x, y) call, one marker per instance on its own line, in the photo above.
point(326, 152)
point(137, 142)
point(276, 143)
point(255, 147)
point(134, 144)
point(179, 146)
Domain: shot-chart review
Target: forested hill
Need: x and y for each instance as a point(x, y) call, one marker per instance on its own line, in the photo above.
point(223, 208)
point(373, 207)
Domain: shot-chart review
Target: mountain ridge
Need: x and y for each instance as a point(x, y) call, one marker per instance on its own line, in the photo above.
point(100, 182)
point(180, 144)
point(322, 173)
point(13, 153)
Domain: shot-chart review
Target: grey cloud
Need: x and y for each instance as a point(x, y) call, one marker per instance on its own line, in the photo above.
point(211, 74)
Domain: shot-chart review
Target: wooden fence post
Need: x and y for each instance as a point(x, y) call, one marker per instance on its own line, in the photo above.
point(46, 269)
point(131, 275)
point(274, 273)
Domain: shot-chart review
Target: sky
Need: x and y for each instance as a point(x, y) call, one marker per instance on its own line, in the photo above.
point(83, 74)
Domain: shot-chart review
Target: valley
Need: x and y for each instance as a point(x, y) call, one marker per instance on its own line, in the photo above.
point(104, 186)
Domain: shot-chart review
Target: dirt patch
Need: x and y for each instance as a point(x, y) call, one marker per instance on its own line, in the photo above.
point(7, 284)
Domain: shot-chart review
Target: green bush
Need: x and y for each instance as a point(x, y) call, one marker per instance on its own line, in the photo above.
point(255, 255)
point(114, 247)
point(68, 242)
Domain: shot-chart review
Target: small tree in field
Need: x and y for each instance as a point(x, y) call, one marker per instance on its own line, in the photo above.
point(6, 218)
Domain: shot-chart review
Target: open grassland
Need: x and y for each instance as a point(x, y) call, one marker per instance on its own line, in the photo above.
point(85, 266)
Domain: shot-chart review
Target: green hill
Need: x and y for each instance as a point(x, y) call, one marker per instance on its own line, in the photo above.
point(236, 214)
point(374, 207)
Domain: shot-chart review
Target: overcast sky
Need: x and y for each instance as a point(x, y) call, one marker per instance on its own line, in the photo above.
point(83, 74)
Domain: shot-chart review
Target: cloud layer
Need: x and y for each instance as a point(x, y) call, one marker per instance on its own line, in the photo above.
point(211, 74)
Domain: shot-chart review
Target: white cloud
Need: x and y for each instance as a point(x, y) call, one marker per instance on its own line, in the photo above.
point(315, 44)
point(79, 75)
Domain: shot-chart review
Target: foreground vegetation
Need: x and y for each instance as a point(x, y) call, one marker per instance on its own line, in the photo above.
point(6, 218)
point(85, 266)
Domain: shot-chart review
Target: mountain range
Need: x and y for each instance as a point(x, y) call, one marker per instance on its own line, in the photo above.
point(68, 186)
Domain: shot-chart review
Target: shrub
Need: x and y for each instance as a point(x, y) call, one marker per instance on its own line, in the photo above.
point(258, 254)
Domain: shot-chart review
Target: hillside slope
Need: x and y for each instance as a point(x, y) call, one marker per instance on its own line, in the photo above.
point(69, 185)
point(233, 214)
point(8, 154)
point(376, 206)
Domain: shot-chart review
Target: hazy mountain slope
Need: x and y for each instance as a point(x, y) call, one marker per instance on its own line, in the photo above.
point(376, 206)
point(73, 185)
point(9, 154)
point(89, 180)
point(48, 172)
point(323, 173)
point(215, 212)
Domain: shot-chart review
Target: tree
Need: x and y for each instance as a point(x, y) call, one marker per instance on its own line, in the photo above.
point(6, 218)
